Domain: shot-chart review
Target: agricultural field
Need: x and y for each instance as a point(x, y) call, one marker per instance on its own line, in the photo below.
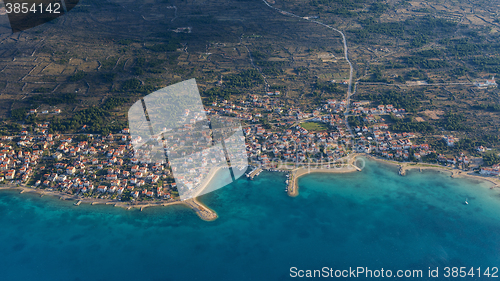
point(108, 54)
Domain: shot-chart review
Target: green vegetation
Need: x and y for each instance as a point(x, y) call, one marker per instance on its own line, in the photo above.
point(18, 114)
point(79, 75)
point(328, 87)
point(131, 84)
point(412, 126)
point(41, 90)
point(96, 119)
point(246, 79)
point(93, 117)
point(409, 101)
point(354, 121)
point(454, 122)
point(462, 47)
point(420, 30)
point(376, 76)
point(218, 92)
point(314, 126)
point(416, 75)
point(69, 98)
point(162, 48)
point(108, 77)
point(413, 61)
point(114, 102)
point(487, 107)
point(487, 64)
point(235, 84)
point(490, 159)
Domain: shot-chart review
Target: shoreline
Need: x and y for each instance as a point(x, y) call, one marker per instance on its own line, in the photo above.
point(453, 172)
point(207, 214)
point(295, 174)
point(203, 211)
point(199, 208)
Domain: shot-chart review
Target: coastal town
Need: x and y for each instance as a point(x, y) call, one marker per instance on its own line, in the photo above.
point(104, 167)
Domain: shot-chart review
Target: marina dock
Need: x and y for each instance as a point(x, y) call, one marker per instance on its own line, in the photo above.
point(254, 173)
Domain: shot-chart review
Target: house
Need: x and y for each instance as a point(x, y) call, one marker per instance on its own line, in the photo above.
point(489, 171)
point(102, 188)
point(10, 174)
point(70, 170)
point(450, 140)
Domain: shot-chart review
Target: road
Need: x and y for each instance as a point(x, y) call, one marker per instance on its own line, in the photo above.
point(346, 56)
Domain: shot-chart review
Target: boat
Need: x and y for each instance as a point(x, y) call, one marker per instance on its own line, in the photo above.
point(466, 201)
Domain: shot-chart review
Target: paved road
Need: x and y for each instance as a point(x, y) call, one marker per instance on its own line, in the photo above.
point(344, 41)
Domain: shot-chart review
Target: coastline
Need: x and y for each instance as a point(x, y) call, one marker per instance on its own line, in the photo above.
point(453, 172)
point(207, 214)
point(204, 212)
point(295, 174)
point(293, 186)
point(199, 208)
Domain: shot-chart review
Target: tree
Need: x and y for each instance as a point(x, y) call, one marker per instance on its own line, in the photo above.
point(491, 158)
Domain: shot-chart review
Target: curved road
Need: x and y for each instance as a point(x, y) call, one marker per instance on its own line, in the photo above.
point(345, 53)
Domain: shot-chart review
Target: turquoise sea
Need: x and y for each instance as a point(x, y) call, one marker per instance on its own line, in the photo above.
point(374, 218)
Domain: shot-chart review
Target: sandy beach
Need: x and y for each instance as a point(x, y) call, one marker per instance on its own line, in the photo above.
point(204, 184)
point(295, 174)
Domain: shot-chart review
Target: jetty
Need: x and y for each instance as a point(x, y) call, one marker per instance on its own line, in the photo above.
point(402, 170)
point(78, 203)
point(291, 187)
point(254, 173)
point(201, 210)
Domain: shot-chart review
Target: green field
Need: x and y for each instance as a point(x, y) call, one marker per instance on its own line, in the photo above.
point(314, 126)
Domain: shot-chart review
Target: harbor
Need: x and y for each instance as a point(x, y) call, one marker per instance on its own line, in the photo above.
point(255, 172)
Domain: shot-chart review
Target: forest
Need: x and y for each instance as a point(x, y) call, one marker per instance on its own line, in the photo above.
point(490, 159)
point(53, 99)
point(408, 101)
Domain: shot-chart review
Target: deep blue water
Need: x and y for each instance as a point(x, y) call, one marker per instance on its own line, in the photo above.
point(374, 218)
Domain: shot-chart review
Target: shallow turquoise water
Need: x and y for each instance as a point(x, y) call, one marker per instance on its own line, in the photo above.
point(374, 218)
